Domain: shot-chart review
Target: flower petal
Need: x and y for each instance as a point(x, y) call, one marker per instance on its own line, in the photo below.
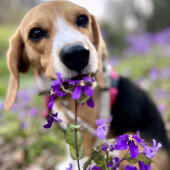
point(51, 103)
point(88, 79)
point(59, 93)
point(88, 90)
point(144, 166)
point(128, 167)
point(122, 145)
point(138, 139)
point(59, 77)
point(100, 133)
point(134, 150)
point(74, 82)
point(77, 92)
point(100, 122)
point(54, 116)
point(149, 152)
point(90, 102)
point(49, 124)
point(158, 146)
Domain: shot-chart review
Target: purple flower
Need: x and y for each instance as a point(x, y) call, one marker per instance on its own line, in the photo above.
point(125, 141)
point(51, 119)
point(82, 86)
point(70, 167)
point(56, 84)
point(102, 128)
point(33, 111)
point(150, 152)
point(144, 166)
point(108, 147)
point(90, 102)
point(23, 125)
point(128, 167)
point(112, 162)
point(2, 106)
point(154, 73)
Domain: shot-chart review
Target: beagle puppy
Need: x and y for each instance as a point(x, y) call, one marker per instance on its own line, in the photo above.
point(59, 36)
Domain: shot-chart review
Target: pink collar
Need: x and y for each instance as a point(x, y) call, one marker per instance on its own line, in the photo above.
point(113, 90)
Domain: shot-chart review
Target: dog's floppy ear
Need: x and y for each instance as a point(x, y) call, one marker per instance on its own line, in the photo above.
point(16, 63)
point(101, 50)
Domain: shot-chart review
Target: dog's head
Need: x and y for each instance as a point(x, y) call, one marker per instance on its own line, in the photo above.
point(56, 36)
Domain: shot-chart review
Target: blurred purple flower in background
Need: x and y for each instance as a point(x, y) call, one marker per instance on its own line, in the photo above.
point(113, 61)
point(154, 73)
point(138, 44)
point(23, 107)
point(142, 42)
point(70, 167)
point(161, 107)
point(102, 128)
point(165, 73)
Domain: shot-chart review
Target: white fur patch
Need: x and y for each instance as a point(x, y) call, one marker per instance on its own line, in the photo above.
point(67, 35)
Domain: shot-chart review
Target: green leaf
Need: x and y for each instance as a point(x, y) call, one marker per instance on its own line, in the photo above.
point(70, 139)
point(87, 163)
point(83, 99)
point(98, 156)
point(72, 126)
point(141, 157)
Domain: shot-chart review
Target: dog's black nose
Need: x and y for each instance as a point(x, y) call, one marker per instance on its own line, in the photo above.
point(75, 56)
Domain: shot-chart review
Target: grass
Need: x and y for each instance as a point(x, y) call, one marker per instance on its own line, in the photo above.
point(6, 31)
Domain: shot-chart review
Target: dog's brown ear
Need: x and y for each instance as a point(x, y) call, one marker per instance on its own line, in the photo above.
point(16, 63)
point(101, 50)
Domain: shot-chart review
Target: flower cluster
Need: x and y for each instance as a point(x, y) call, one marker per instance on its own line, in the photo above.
point(126, 142)
point(82, 87)
point(82, 92)
point(132, 141)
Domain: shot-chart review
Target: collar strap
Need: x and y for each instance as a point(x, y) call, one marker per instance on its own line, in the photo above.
point(114, 90)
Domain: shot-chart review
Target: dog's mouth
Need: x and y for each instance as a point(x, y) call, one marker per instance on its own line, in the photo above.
point(68, 85)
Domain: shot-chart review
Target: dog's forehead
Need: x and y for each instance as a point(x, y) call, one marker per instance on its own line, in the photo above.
point(52, 10)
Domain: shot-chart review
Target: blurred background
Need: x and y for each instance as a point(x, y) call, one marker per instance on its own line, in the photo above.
point(137, 34)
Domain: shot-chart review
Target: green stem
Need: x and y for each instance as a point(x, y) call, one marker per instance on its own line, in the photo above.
point(75, 130)
point(119, 162)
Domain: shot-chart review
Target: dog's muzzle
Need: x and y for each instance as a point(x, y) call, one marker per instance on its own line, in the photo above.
point(75, 56)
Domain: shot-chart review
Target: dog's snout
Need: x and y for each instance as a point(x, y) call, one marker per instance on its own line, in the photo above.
point(75, 56)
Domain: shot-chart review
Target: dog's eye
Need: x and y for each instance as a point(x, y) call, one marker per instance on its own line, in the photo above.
point(36, 34)
point(82, 21)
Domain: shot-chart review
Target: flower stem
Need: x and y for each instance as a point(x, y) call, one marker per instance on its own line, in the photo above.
point(77, 152)
point(118, 163)
point(107, 157)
